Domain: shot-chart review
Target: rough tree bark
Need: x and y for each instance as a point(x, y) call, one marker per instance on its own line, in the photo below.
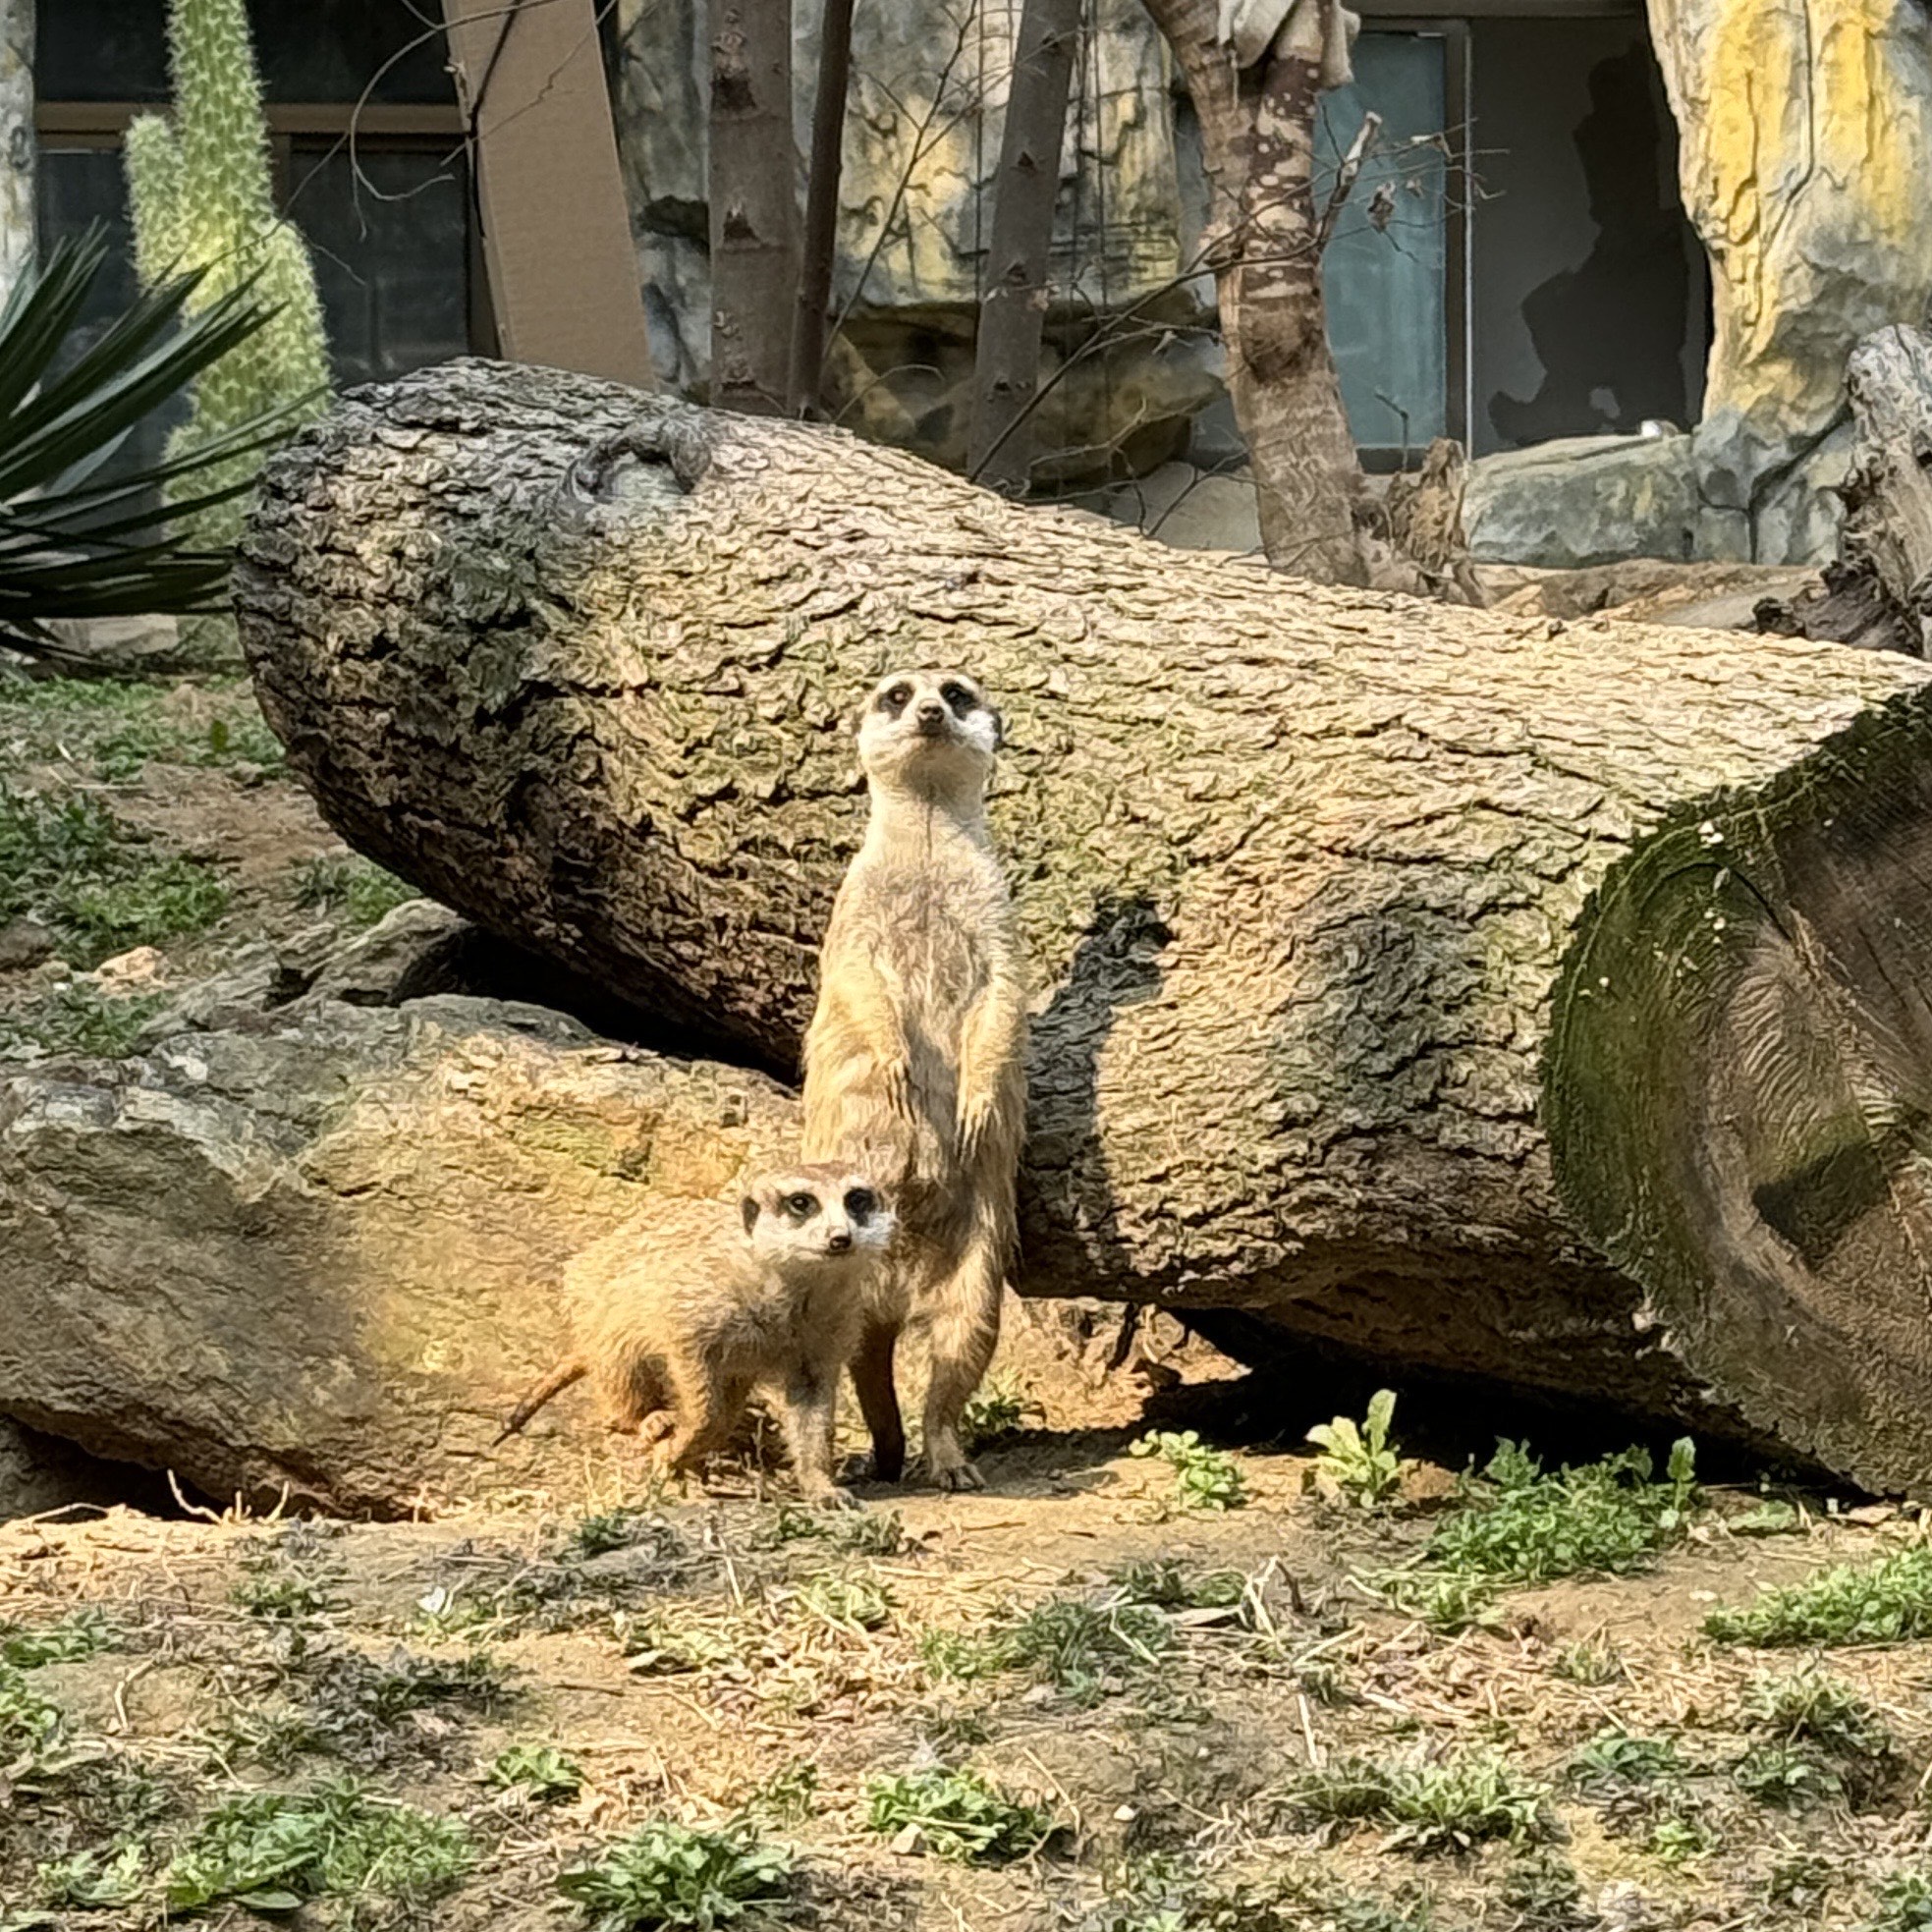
point(1878, 589)
point(754, 204)
point(1480, 996)
point(18, 149)
point(1005, 368)
point(1258, 138)
point(821, 236)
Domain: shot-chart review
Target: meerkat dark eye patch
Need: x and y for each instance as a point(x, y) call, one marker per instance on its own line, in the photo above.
point(895, 700)
point(748, 1209)
point(959, 696)
point(862, 1204)
point(801, 1206)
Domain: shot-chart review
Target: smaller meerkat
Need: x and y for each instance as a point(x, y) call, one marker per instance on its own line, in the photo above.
point(691, 1304)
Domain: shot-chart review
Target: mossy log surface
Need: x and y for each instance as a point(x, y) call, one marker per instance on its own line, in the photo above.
point(1528, 1002)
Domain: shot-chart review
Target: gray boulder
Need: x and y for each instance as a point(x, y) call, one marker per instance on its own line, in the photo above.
point(1584, 500)
point(320, 1254)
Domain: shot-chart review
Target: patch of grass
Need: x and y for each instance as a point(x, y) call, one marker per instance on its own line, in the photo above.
point(1542, 1889)
point(351, 886)
point(27, 1646)
point(853, 1533)
point(1204, 1478)
point(539, 1769)
point(1786, 1775)
point(674, 1875)
point(787, 1797)
point(1903, 1905)
point(1592, 1662)
point(1809, 1707)
point(122, 727)
point(957, 1814)
point(271, 1852)
point(29, 1723)
point(93, 1879)
point(997, 1413)
point(1676, 1840)
point(1768, 1519)
point(354, 1706)
point(1170, 1586)
point(847, 1603)
point(623, 1529)
point(81, 1019)
point(1519, 1524)
point(1455, 1803)
point(1886, 1602)
point(143, 903)
point(280, 1593)
point(1359, 1462)
point(1447, 1600)
point(1619, 1757)
point(1079, 1647)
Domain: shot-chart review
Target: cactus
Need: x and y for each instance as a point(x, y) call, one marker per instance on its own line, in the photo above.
point(198, 182)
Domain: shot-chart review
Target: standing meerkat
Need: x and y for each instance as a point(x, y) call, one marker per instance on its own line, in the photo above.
point(914, 1061)
point(690, 1306)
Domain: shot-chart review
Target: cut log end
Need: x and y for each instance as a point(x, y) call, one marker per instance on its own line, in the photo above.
point(1739, 1093)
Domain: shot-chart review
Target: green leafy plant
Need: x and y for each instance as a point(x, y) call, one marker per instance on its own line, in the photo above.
point(1359, 1463)
point(1786, 1775)
point(855, 1532)
point(786, 1797)
point(270, 1850)
point(81, 1019)
point(999, 1412)
point(362, 894)
point(957, 1814)
point(1204, 1478)
point(1905, 1903)
point(1619, 1757)
point(1171, 1585)
point(29, 1723)
point(78, 537)
point(1886, 1602)
point(27, 1646)
point(539, 1769)
point(1458, 1802)
point(847, 1603)
point(1676, 1840)
point(93, 1879)
point(674, 1875)
point(1073, 1646)
point(202, 195)
point(1593, 1661)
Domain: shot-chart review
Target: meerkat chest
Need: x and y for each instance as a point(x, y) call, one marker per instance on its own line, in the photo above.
point(936, 936)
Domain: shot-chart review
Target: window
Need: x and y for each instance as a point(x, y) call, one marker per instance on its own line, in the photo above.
point(386, 214)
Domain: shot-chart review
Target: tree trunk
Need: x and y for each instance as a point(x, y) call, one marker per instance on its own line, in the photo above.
point(1006, 369)
point(19, 148)
point(1477, 996)
point(821, 241)
point(1258, 140)
point(1878, 589)
point(753, 200)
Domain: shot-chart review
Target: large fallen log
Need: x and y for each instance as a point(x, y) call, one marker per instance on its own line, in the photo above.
point(1530, 1002)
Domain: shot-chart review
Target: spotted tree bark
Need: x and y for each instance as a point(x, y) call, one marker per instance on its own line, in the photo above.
point(1470, 995)
point(1257, 118)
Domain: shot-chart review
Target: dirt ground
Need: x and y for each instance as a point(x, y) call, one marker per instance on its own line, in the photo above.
point(1196, 1728)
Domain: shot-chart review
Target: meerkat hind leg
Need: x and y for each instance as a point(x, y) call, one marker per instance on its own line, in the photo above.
point(878, 1400)
point(964, 1330)
point(806, 1410)
point(707, 1406)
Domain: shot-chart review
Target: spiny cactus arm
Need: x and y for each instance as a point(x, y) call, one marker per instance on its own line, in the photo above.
point(224, 139)
point(154, 195)
point(295, 345)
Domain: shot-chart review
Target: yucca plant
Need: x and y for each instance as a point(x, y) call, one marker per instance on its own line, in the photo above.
point(80, 537)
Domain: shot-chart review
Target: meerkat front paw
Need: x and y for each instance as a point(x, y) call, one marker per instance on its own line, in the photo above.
point(896, 1084)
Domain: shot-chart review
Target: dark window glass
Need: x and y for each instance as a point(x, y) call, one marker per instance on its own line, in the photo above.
point(309, 50)
point(389, 233)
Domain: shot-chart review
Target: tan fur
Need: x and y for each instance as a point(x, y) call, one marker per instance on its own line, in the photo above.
point(685, 1310)
point(914, 1061)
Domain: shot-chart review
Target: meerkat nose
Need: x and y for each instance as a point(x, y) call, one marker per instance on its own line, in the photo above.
point(839, 1240)
point(931, 711)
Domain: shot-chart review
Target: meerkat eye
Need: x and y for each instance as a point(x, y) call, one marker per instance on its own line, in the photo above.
point(801, 1206)
point(896, 698)
point(958, 696)
point(862, 1204)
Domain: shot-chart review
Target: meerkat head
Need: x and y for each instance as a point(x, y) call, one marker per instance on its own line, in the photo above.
point(817, 1215)
point(928, 731)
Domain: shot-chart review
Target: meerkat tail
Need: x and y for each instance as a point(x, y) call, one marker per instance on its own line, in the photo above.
point(554, 1384)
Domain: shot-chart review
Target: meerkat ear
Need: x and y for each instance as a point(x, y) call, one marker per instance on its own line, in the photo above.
point(747, 1209)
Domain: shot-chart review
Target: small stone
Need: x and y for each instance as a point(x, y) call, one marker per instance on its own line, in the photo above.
point(1124, 1814)
point(909, 1841)
point(144, 967)
point(23, 943)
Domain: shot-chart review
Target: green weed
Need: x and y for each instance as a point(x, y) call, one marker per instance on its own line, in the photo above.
point(1204, 1478)
point(957, 1814)
point(1081, 1648)
point(847, 1603)
point(853, 1533)
point(1359, 1463)
point(93, 1879)
point(1905, 1904)
point(623, 1529)
point(1000, 1411)
point(1592, 1662)
point(270, 1852)
point(1519, 1524)
point(1447, 1600)
point(786, 1797)
point(1809, 1707)
point(1676, 1840)
point(674, 1875)
point(352, 887)
point(28, 1646)
point(1786, 1775)
point(1886, 1602)
point(1618, 1756)
point(1458, 1802)
point(29, 1723)
point(1171, 1585)
point(539, 1769)
point(79, 1018)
